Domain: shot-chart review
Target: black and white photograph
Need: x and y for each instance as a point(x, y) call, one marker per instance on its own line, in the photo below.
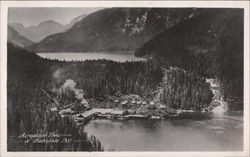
point(125, 79)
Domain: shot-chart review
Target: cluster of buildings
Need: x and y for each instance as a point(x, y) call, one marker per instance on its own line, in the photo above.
point(123, 108)
point(139, 110)
point(139, 103)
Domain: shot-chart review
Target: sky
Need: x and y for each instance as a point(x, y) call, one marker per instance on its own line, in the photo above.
point(34, 16)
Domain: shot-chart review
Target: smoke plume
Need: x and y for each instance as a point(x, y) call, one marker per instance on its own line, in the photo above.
point(70, 86)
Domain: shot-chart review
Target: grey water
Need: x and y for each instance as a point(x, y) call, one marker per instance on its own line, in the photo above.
point(213, 134)
point(119, 56)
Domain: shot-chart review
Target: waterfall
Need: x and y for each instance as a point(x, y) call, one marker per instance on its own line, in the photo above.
point(220, 109)
point(218, 105)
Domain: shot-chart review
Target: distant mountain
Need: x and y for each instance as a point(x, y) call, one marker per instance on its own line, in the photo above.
point(210, 45)
point(75, 20)
point(37, 33)
point(114, 29)
point(16, 39)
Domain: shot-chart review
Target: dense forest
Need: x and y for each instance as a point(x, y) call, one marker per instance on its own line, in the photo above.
point(28, 107)
point(102, 77)
point(209, 45)
point(182, 90)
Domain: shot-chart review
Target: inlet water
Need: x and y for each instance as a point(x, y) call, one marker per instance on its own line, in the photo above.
point(120, 56)
point(214, 134)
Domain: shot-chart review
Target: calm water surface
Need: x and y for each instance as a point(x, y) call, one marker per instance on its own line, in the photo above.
point(215, 134)
point(115, 56)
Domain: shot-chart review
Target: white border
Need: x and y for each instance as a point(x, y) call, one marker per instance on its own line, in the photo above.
point(204, 4)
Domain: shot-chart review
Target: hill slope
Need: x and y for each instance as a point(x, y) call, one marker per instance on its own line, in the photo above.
point(210, 45)
point(114, 29)
point(28, 107)
point(75, 20)
point(37, 33)
point(16, 39)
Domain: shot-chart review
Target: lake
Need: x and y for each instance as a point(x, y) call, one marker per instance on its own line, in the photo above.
point(120, 56)
point(215, 134)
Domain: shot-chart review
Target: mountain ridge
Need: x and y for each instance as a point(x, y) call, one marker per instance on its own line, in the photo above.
point(40, 31)
point(114, 29)
point(16, 39)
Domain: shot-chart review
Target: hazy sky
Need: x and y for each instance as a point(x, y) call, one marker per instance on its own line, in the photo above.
point(34, 16)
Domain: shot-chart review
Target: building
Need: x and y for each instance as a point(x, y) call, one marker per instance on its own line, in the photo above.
point(124, 102)
point(151, 105)
point(54, 109)
point(162, 106)
point(130, 111)
point(66, 111)
point(78, 118)
point(117, 112)
point(138, 102)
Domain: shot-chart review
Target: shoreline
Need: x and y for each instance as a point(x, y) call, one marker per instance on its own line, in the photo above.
point(79, 120)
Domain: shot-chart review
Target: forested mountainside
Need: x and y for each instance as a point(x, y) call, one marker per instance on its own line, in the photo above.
point(42, 30)
point(180, 89)
point(115, 29)
point(28, 108)
point(210, 45)
point(15, 38)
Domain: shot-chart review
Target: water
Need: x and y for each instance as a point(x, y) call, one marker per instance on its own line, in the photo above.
point(215, 134)
point(120, 56)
